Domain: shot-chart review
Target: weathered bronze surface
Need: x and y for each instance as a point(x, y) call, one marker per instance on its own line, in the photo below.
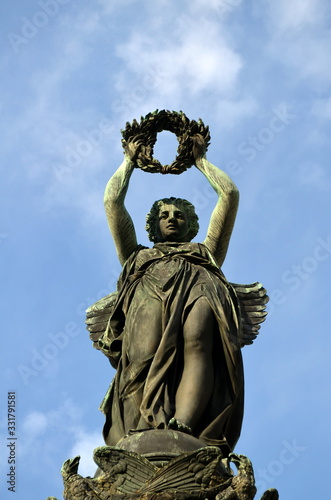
point(173, 329)
point(200, 474)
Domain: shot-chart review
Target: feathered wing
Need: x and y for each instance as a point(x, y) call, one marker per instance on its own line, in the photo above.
point(97, 317)
point(193, 471)
point(128, 471)
point(253, 299)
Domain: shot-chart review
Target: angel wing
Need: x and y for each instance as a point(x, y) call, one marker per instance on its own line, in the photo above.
point(193, 471)
point(97, 317)
point(128, 471)
point(253, 299)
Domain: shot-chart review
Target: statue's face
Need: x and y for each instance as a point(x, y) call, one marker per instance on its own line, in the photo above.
point(173, 223)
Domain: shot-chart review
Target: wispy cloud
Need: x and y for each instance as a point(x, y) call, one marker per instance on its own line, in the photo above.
point(85, 443)
point(45, 433)
point(300, 37)
point(297, 15)
point(195, 59)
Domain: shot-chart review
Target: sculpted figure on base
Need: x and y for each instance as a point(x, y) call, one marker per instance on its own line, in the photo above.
point(173, 330)
point(175, 327)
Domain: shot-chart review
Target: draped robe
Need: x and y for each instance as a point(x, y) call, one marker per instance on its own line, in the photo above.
point(167, 280)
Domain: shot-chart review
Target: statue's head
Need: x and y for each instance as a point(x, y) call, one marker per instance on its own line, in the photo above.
point(172, 219)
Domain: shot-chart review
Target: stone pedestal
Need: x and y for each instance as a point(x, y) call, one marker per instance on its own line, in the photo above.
point(162, 464)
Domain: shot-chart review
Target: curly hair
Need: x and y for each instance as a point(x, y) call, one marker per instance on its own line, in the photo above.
point(152, 218)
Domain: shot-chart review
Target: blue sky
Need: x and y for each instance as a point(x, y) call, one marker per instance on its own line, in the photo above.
point(258, 73)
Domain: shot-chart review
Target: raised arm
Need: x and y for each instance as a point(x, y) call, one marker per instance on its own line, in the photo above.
point(119, 220)
point(224, 214)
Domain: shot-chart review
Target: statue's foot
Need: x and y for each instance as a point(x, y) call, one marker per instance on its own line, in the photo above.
point(176, 425)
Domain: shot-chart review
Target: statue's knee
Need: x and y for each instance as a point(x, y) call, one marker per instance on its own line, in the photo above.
point(199, 327)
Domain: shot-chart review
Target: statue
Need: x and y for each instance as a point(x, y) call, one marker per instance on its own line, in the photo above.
point(175, 327)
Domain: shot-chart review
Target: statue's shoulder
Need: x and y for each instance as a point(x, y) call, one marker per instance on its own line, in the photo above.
point(139, 250)
point(144, 254)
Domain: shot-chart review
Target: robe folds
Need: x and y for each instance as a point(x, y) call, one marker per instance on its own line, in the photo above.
point(156, 290)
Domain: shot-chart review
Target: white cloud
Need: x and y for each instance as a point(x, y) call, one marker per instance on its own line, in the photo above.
point(49, 127)
point(194, 59)
point(232, 111)
point(42, 117)
point(291, 17)
point(44, 434)
point(35, 424)
point(162, 68)
point(299, 36)
point(84, 446)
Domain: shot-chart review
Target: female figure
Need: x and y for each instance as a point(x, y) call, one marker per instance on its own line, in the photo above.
point(174, 331)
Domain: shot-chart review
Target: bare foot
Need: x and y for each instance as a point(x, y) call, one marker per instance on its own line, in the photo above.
point(176, 425)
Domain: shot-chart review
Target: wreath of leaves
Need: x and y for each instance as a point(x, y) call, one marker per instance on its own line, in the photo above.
point(146, 132)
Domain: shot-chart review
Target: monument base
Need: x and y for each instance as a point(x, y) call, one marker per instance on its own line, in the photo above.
point(162, 464)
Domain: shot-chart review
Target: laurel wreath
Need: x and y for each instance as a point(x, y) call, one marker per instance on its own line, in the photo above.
point(146, 132)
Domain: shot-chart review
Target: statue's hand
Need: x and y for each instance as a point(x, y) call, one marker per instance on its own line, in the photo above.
point(132, 147)
point(199, 147)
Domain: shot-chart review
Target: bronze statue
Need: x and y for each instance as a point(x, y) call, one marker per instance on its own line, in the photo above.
point(175, 326)
point(173, 329)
